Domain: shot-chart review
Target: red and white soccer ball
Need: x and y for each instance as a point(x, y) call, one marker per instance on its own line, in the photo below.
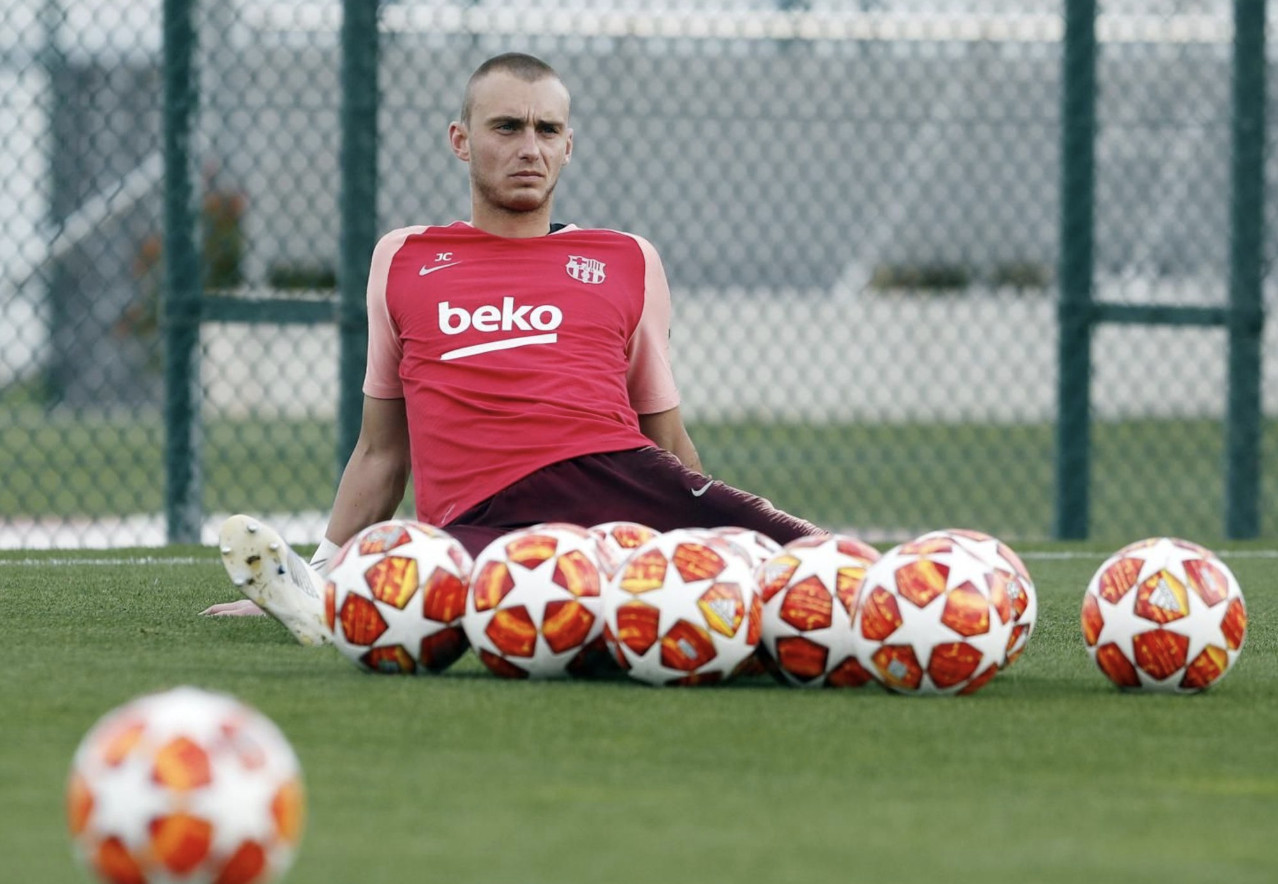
point(932, 619)
point(394, 597)
point(1164, 615)
point(1020, 586)
point(757, 547)
point(535, 607)
point(684, 609)
point(616, 541)
point(185, 786)
point(809, 591)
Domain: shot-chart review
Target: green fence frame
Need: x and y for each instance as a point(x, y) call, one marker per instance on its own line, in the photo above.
point(1246, 319)
point(1079, 313)
point(186, 304)
point(358, 210)
point(183, 289)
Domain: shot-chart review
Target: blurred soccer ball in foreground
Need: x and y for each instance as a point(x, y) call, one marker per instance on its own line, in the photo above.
point(809, 591)
point(684, 609)
point(535, 607)
point(185, 786)
point(395, 595)
point(932, 618)
point(616, 541)
point(1164, 615)
point(1020, 586)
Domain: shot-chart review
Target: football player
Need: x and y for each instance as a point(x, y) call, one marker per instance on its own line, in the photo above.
point(518, 369)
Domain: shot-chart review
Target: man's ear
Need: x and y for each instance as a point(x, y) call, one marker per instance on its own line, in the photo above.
point(459, 140)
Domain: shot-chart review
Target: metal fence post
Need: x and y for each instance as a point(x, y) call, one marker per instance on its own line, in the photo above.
point(358, 209)
point(53, 60)
point(1246, 312)
point(1075, 308)
point(182, 289)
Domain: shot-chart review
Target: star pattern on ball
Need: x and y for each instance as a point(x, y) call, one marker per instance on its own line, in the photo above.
point(533, 589)
point(676, 600)
point(922, 627)
point(914, 620)
point(202, 788)
point(126, 799)
point(1164, 555)
point(984, 549)
point(964, 567)
point(240, 799)
point(1200, 626)
point(1119, 625)
point(824, 565)
point(610, 548)
point(758, 548)
point(403, 626)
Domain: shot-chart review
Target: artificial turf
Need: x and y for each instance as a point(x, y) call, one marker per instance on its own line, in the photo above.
point(1047, 774)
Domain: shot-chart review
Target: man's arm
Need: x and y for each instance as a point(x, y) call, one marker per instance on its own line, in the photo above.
point(376, 475)
point(666, 430)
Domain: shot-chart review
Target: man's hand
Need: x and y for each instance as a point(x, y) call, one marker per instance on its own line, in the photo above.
point(666, 430)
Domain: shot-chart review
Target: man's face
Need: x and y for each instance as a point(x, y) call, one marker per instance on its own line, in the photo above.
point(516, 142)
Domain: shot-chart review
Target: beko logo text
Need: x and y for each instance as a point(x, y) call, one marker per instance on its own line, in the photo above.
point(491, 318)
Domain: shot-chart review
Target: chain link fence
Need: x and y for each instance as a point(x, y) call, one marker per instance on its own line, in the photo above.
point(858, 204)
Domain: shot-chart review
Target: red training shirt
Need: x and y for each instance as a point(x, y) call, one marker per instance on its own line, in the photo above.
point(512, 354)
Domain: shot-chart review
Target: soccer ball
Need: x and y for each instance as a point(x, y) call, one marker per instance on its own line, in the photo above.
point(185, 786)
point(932, 618)
point(1164, 615)
point(394, 598)
point(757, 547)
point(684, 609)
point(534, 607)
point(1020, 586)
point(809, 591)
point(616, 541)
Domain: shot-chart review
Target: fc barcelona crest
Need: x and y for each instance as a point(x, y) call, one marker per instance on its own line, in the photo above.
point(586, 270)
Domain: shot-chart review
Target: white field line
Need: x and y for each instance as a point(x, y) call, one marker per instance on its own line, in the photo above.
point(1079, 554)
point(1063, 555)
point(128, 560)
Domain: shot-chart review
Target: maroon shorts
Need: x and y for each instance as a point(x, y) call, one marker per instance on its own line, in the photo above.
point(645, 485)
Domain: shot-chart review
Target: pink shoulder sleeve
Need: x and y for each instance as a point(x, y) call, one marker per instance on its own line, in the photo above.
point(381, 374)
point(649, 378)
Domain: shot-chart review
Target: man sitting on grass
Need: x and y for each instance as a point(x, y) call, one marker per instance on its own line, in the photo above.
point(518, 369)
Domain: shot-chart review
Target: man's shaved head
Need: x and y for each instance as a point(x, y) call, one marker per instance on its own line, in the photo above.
point(528, 68)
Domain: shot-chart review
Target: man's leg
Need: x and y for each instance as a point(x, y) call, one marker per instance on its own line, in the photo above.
point(645, 485)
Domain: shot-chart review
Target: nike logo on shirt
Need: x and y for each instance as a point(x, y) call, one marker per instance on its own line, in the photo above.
point(697, 492)
point(425, 269)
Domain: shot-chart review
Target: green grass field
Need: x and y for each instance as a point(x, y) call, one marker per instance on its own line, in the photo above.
point(1046, 775)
